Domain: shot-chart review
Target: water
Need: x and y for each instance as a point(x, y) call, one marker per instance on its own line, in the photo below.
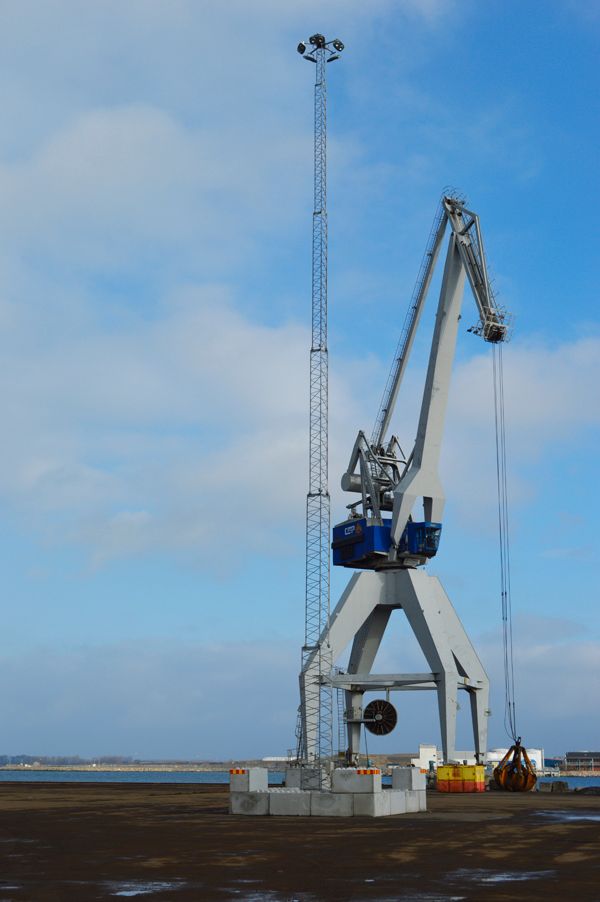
point(490, 877)
point(574, 782)
point(26, 775)
point(566, 817)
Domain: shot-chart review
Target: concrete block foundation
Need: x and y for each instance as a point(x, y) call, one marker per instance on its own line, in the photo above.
point(331, 804)
point(412, 800)
point(408, 778)
point(252, 803)
point(355, 796)
point(248, 779)
point(303, 778)
point(289, 802)
point(352, 779)
point(374, 804)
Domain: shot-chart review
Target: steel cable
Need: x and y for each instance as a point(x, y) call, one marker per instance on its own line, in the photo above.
point(510, 723)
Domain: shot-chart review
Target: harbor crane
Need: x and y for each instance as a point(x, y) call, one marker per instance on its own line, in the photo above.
point(385, 540)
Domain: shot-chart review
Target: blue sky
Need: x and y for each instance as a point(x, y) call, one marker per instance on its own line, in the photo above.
point(155, 207)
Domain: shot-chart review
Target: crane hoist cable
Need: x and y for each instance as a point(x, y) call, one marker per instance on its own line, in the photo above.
point(515, 772)
point(504, 542)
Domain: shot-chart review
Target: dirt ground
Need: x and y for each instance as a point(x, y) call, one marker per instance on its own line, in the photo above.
point(61, 841)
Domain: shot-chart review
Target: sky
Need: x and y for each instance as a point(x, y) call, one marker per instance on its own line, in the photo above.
point(155, 215)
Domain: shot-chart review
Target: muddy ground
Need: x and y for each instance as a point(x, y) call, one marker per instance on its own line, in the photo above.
point(61, 841)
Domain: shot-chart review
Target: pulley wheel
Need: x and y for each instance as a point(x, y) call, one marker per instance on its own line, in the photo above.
point(380, 717)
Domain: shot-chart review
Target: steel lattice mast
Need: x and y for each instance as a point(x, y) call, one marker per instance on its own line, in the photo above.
point(315, 739)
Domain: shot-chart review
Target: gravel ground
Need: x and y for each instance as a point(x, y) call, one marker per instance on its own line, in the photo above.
point(64, 841)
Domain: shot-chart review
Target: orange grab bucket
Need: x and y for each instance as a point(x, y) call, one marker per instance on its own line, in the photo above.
point(515, 772)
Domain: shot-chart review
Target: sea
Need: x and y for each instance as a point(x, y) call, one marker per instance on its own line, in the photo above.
point(276, 778)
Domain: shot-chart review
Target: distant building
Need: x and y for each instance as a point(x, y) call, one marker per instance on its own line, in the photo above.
point(429, 757)
point(582, 761)
point(536, 756)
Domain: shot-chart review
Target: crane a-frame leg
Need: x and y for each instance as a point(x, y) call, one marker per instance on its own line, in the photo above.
point(364, 650)
point(361, 617)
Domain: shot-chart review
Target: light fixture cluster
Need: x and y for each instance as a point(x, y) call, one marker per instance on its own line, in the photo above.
point(318, 42)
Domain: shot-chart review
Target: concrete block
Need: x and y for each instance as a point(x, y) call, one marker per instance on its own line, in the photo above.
point(253, 803)
point(412, 800)
point(408, 778)
point(289, 802)
point(422, 799)
point(302, 778)
point(372, 804)
point(352, 779)
point(397, 800)
point(331, 804)
point(248, 779)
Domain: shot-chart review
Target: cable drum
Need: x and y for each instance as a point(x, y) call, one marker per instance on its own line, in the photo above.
point(380, 717)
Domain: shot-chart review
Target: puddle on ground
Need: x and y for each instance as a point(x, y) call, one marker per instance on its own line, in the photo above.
point(407, 895)
point(269, 896)
point(143, 887)
point(569, 816)
point(16, 839)
point(490, 877)
point(415, 897)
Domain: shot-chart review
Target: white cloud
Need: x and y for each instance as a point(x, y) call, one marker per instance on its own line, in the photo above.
point(202, 410)
point(557, 668)
point(150, 699)
point(118, 189)
point(552, 410)
point(185, 418)
point(202, 700)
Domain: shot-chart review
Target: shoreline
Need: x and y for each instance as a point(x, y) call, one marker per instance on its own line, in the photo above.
point(212, 767)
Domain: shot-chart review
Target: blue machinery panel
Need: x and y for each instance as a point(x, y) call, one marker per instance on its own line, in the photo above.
point(363, 543)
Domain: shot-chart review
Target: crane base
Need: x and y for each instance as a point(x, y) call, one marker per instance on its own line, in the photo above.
point(320, 803)
point(357, 792)
point(361, 617)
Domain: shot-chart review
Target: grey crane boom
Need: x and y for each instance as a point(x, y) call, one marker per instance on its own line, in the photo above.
point(410, 326)
point(492, 320)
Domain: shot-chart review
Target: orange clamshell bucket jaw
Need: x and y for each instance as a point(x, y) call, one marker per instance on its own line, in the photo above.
point(515, 773)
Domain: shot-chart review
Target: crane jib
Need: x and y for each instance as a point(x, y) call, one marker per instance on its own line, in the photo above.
point(377, 469)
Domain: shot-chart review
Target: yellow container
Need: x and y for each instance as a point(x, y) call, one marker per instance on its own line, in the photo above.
point(461, 778)
point(472, 771)
point(450, 772)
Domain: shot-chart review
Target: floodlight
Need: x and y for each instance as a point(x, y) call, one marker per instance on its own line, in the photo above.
point(338, 45)
point(317, 40)
point(301, 48)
